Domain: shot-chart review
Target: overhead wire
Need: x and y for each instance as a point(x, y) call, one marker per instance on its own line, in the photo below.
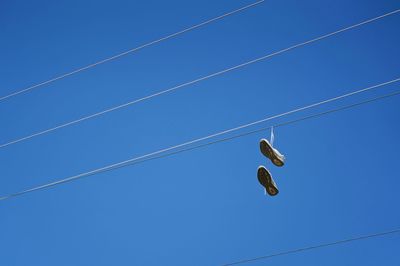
point(324, 245)
point(2, 98)
point(162, 153)
point(195, 81)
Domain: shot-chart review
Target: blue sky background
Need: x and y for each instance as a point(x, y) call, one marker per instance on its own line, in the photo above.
point(203, 207)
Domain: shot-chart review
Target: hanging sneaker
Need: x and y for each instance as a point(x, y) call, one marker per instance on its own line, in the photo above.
point(265, 179)
point(271, 153)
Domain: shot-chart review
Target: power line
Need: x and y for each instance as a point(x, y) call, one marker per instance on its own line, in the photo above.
point(260, 130)
point(192, 82)
point(284, 253)
point(129, 51)
point(162, 153)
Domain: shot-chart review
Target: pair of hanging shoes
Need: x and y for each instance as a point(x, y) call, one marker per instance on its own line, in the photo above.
point(264, 176)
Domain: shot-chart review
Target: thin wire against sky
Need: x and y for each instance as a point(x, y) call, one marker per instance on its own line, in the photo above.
point(324, 245)
point(173, 150)
point(130, 51)
point(112, 109)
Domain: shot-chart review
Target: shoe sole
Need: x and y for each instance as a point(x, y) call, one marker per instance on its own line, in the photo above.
point(267, 150)
point(265, 179)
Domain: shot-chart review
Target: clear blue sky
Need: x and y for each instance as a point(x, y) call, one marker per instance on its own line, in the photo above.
point(203, 207)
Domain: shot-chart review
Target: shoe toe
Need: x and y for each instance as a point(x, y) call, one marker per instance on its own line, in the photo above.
point(272, 191)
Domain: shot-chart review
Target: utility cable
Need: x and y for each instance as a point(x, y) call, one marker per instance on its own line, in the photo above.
point(128, 51)
point(340, 242)
point(193, 81)
point(181, 148)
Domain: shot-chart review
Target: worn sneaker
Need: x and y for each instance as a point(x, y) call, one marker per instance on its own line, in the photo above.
point(265, 179)
point(271, 153)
